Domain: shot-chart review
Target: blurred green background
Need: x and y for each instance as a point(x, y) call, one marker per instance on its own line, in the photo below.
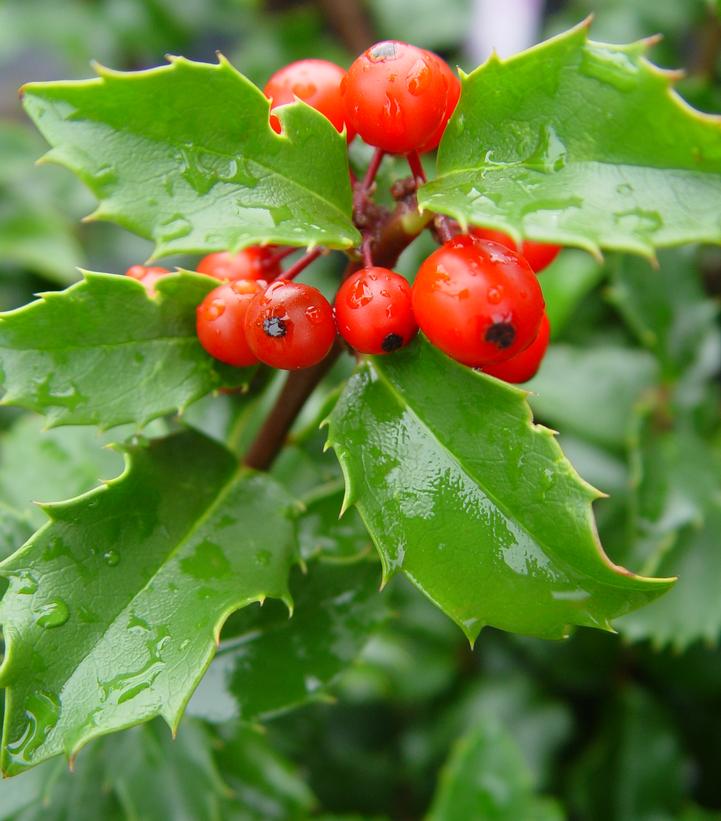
point(607, 726)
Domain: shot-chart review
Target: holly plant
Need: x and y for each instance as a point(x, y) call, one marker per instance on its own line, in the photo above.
point(222, 388)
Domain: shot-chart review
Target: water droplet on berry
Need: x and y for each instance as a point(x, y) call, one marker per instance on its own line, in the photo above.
point(359, 295)
point(53, 614)
point(313, 314)
point(214, 310)
point(495, 295)
point(419, 78)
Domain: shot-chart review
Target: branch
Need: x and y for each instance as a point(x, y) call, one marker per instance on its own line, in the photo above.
point(350, 22)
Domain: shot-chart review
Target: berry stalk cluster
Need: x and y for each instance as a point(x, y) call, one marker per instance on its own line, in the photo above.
point(476, 297)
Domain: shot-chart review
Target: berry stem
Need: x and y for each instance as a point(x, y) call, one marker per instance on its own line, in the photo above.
point(279, 255)
point(366, 250)
point(372, 170)
point(301, 264)
point(443, 228)
point(416, 166)
point(298, 386)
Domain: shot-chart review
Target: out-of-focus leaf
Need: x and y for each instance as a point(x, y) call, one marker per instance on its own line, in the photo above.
point(269, 663)
point(486, 779)
point(571, 277)
point(635, 769)
point(591, 392)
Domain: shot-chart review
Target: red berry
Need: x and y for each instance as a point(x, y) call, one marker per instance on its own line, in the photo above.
point(478, 301)
point(316, 82)
point(395, 96)
point(220, 322)
point(538, 255)
point(524, 365)
point(290, 325)
point(454, 95)
point(148, 275)
point(373, 311)
point(255, 262)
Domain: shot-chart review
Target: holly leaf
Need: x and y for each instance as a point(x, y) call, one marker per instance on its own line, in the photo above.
point(184, 155)
point(103, 352)
point(592, 391)
point(269, 664)
point(486, 777)
point(151, 564)
point(583, 144)
point(676, 519)
point(566, 283)
point(472, 501)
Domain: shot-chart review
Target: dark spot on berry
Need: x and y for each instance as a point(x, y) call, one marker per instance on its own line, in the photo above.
point(392, 342)
point(501, 334)
point(274, 326)
point(382, 52)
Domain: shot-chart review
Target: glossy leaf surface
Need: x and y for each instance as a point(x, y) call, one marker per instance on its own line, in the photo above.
point(152, 563)
point(184, 155)
point(475, 503)
point(103, 352)
point(580, 143)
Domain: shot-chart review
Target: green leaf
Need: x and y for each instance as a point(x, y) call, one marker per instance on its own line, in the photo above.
point(487, 779)
point(265, 785)
point(667, 309)
point(580, 143)
point(184, 155)
point(591, 392)
point(270, 664)
point(674, 530)
point(635, 769)
point(565, 283)
point(103, 352)
point(157, 776)
point(473, 502)
point(37, 238)
point(113, 607)
point(321, 532)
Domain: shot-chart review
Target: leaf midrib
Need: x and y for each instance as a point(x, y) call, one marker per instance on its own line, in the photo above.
point(574, 574)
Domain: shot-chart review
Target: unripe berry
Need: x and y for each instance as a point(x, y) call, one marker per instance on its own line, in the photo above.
point(524, 365)
point(255, 262)
point(478, 301)
point(220, 322)
point(538, 255)
point(316, 82)
point(290, 325)
point(395, 96)
point(373, 311)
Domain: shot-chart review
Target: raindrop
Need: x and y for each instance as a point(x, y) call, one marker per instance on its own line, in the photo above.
point(111, 557)
point(53, 614)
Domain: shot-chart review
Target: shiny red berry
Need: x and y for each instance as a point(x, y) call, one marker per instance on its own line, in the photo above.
point(395, 96)
point(316, 82)
point(220, 322)
point(524, 365)
point(255, 262)
point(478, 301)
point(538, 255)
point(454, 95)
point(373, 311)
point(290, 325)
point(148, 275)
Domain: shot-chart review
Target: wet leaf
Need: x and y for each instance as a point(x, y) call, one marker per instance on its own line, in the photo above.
point(113, 607)
point(103, 352)
point(268, 664)
point(583, 144)
point(487, 778)
point(184, 155)
point(477, 505)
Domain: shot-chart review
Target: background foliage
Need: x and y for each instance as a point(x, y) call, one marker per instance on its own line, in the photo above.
point(395, 715)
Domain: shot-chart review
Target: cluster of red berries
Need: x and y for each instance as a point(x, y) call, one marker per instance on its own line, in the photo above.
point(476, 298)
